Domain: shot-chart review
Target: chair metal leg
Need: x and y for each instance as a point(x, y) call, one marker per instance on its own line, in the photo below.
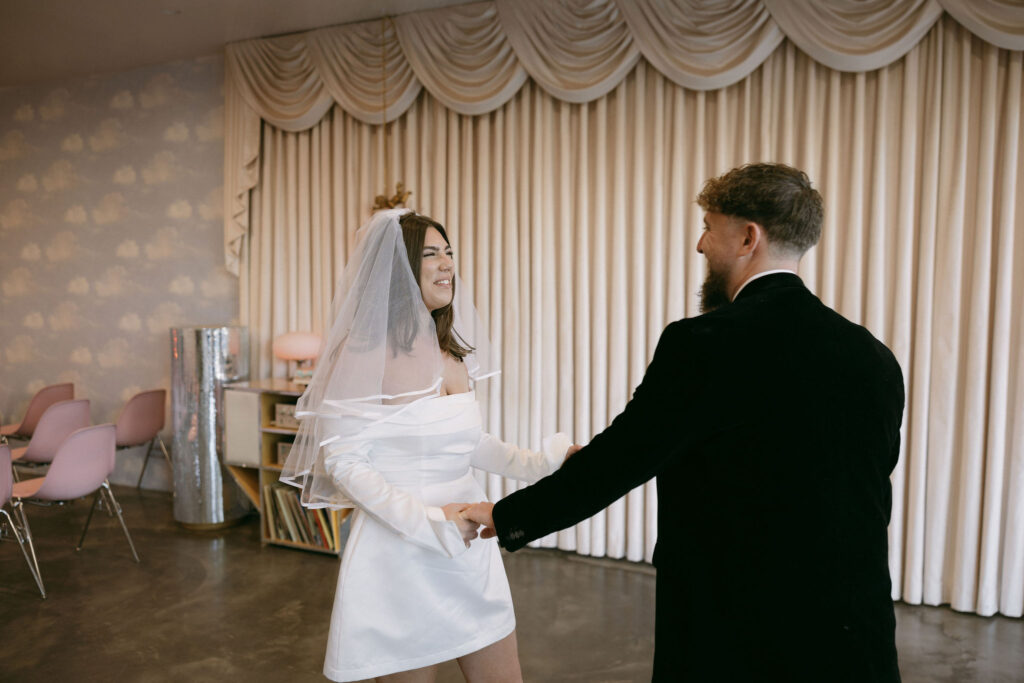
point(145, 461)
point(92, 509)
point(21, 544)
point(33, 562)
point(105, 488)
point(167, 456)
point(19, 510)
point(149, 451)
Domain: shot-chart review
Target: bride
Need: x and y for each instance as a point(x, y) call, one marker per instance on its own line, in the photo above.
point(390, 426)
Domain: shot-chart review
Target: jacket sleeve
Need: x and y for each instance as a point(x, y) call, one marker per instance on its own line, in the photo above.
point(494, 455)
point(649, 432)
point(350, 467)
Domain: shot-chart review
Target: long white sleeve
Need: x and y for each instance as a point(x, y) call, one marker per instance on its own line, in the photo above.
point(494, 455)
point(402, 512)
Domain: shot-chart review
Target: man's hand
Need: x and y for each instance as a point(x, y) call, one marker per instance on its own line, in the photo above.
point(571, 451)
point(468, 529)
point(480, 513)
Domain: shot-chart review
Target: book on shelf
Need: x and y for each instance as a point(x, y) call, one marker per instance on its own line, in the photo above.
point(300, 520)
point(314, 529)
point(269, 505)
point(332, 521)
point(321, 531)
point(288, 520)
point(326, 528)
point(299, 534)
point(282, 507)
point(281, 525)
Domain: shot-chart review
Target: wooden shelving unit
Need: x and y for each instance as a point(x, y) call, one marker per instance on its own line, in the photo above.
point(252, 455)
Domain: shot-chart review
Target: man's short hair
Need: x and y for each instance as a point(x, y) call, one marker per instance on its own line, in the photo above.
point(776, 196)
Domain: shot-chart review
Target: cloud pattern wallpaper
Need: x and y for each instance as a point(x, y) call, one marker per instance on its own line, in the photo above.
point(110, 234)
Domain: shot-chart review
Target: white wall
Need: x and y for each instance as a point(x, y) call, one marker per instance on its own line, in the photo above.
point(110, 233)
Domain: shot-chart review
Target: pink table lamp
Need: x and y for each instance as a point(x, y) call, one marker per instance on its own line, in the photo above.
point(301, 347)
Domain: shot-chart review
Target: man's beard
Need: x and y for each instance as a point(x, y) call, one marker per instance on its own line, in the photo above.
point(714, 293)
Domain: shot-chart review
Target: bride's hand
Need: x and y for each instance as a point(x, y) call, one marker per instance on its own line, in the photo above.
point(468, 528)
point(571, 451)
point(482, 513)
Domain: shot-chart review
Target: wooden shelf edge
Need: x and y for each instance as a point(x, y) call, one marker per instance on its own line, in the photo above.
point(248, 479)
point(270, 429)
point(273, 386)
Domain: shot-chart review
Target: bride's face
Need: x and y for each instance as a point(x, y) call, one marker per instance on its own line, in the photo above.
point(437, 271)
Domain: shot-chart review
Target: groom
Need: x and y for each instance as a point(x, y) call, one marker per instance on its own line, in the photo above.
point(772, 424)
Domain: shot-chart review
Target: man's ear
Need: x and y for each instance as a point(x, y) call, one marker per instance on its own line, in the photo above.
point(753, 234)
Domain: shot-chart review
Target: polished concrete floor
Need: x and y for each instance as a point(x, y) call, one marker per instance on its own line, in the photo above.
point(216, 606)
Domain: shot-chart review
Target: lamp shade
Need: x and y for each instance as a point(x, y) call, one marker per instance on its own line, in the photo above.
point(297, 346)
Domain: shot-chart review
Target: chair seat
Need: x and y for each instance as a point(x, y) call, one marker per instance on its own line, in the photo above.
point(27, 488)
point(16, 453)
point(9, 430)
point(121, 446)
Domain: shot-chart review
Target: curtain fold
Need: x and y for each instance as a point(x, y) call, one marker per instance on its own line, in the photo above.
point(1000, 22)
point(462, 56)
point(701, 45)
point(364, 69)
point(278, 78)
point(241, 169)
point(474, 58)
point(574, 227)
point(577, 50)
point(471, 56)
point(855, 35)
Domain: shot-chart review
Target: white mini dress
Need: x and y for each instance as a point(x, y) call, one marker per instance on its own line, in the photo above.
point(410, 594)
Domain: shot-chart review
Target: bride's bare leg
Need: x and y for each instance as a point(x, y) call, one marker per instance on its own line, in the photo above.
point(496, 663)
point(425, 675)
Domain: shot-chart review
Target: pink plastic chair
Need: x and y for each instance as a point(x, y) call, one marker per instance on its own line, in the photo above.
point(56, 424)
point(80, 467)
point(20, 529)
point(140, 423)
point(43, 399)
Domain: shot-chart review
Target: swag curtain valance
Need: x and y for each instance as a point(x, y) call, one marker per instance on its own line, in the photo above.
point(474, 58)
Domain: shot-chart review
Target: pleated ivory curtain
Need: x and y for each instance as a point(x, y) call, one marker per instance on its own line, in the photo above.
point(574, 225)
point(473, 58)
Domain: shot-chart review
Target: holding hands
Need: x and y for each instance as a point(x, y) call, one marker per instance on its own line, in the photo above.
point(453, 513)
point(469, 517)
point(480, 514)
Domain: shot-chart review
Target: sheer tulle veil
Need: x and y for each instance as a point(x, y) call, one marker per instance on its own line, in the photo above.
point(381, 353)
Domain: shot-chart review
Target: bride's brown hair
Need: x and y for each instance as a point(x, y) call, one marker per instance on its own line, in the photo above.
point(414, 233)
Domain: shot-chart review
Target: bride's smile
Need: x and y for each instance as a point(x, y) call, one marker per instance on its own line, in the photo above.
point(436, 270)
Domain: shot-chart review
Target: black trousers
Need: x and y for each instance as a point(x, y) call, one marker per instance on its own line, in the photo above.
point(669, 631)
point(791, 652)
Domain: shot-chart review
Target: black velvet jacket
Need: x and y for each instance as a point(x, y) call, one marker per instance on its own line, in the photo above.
point(772, 425)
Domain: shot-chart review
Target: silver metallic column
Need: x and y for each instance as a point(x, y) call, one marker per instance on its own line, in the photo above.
point(203, 359)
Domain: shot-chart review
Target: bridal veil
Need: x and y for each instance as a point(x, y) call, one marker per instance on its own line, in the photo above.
point(382, 350)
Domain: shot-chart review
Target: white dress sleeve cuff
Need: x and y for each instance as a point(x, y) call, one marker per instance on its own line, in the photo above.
point(554, 448)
